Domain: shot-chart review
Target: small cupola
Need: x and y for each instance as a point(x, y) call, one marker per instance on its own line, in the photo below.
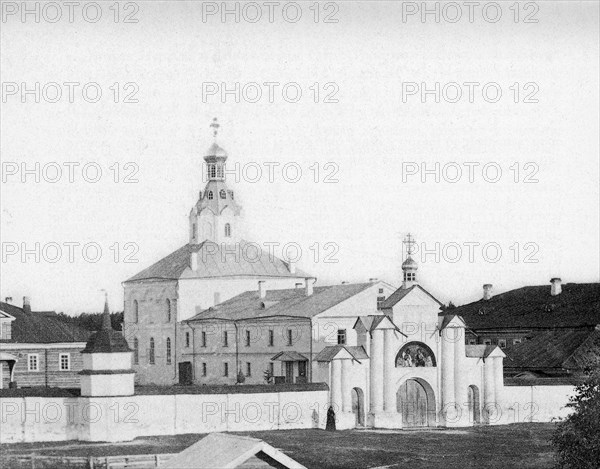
point(409, 266)
point(215, 157)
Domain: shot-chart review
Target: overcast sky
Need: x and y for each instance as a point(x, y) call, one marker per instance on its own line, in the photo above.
point(543, 207)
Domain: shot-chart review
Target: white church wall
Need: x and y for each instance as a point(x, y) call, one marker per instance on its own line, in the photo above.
point(533, 404)
point(114, 419)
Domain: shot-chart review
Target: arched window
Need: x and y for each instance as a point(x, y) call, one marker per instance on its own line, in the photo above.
point(231, 194)
point(227, 230)
point(151, 356)
point(209, 195)
point(136, 316)
point(136, 353)
point(168, 350)
point(168, 310)
point(222, 194)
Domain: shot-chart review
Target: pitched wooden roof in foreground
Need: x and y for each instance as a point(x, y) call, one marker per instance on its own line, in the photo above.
point(225, 451)
point(535, 307)
point(41, 327)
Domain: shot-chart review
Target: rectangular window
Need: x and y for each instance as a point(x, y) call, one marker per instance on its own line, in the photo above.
point(381, 290)
point(516, 341)
point(64, 361)
point(341, 336)
point(203, 369)
point(247, 338)
point(203, 342)
point(225, 339)
point(502, 343)
point(380, 299)
point(290, 338)
point(271, 337)
point(33, 362)
point(225, 369)
point(487, 342)
point(271, 368)
point(187, 339)
point(472, 342)
point(248, 369)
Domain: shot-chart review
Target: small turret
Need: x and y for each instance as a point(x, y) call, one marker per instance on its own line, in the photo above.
point(409, 266)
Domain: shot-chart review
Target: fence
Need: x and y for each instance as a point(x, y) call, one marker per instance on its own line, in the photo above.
point(139, 461)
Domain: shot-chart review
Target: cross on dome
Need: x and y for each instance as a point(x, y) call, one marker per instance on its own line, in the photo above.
point(215, 127)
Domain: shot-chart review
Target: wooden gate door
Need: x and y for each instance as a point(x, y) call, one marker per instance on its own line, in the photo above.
point(412, 400)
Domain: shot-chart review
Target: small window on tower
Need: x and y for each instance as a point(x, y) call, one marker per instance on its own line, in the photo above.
point(222, 194)
point(220, 171)
point(209, 195)
point(227, 230)
point(341, 336)
point(231, 194)
point(212, 171)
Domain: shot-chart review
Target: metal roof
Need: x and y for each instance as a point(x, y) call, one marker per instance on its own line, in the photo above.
point(213, 262)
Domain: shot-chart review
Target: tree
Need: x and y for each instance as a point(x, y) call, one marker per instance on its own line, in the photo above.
point(577, 438)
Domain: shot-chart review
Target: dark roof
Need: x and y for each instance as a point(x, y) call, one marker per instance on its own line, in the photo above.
point(567, 349)
point(212, 262)
point(534, 307)
point(41, 327)
point(106, 340)
point(290, 302)
point(400, 293)
point(327, 354)
point(289, 356)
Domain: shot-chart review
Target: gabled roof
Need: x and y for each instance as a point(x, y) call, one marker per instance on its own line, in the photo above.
point(567, 349)
point(289, 356)
point(447, 319)
point(41, 327)
point(482, 351)
point(400, 293)
point(373, 321)
point(284, 303)
point(227, 451)
point(329, 353)
point(214, 262)
point(534, 307)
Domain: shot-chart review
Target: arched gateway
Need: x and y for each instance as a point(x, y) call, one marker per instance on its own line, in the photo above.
point(415, 400)
point(358, 406)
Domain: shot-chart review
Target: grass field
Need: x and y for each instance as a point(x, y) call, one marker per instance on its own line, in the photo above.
point(511, 446)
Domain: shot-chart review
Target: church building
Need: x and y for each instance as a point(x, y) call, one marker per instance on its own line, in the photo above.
point(215, 264)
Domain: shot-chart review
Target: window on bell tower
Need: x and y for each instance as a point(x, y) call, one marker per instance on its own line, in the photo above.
point(222, 194)
point(212, 171)
point(227, 230)
point(220, 171)
point(209, 195)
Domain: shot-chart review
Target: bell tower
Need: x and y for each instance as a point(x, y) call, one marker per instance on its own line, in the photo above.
point(409, 266)
point(216, 215)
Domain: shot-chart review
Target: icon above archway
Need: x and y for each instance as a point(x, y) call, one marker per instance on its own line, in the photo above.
point(415, 354)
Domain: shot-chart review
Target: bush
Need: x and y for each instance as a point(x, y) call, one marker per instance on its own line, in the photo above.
point(576, 438)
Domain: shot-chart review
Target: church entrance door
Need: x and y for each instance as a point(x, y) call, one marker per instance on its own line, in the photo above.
point(414, 404)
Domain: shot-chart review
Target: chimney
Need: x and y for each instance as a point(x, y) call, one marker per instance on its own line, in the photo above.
point(555, 288)
point(8, 299)
point(292, 267)
point(26, 304)
point(487, 291)
point(309, 285)
point(194, 261)
point(262, 289)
